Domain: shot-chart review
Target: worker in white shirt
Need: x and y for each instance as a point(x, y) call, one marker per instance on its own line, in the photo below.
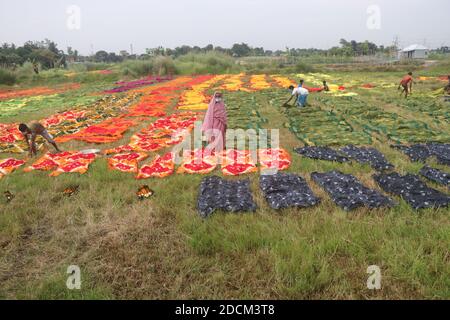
point(300, 94)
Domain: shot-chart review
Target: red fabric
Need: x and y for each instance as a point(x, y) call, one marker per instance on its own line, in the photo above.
point(63, 162)
point(198, 162)
point(160, 167)
point(274, 159)
point(9, 165)
point(108, 131)
point(126, 162)
point(313, 89)
point(237, 162)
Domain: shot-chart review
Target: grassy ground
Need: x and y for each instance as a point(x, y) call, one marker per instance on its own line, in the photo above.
point(162, 249)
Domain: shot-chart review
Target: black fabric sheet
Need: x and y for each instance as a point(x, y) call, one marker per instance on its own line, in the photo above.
point(232, 196)
point(421, 152)
point(367, 155)
point(412, 190)
point(287, 190)
point(321, 153)
point(348, 193)
point(436, 175)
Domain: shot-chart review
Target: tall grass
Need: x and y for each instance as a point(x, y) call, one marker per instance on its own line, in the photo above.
point(206, 63)
point(7, 77)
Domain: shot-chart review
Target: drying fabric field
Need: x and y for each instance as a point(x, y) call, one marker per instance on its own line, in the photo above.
point(363, 181)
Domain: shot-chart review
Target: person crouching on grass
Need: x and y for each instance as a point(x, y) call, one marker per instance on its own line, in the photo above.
point(31, 131)
point(300, 94)
point(406, 83)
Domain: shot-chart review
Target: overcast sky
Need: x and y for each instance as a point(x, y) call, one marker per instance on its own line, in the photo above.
point(273, 24)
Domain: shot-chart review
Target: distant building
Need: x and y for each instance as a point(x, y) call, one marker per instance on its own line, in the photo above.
point(415, 51)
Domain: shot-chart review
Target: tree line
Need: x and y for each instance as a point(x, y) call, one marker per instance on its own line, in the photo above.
point(48, 56)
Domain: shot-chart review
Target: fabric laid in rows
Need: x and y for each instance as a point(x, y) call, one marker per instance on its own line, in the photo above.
point(348, 193)
point(436, 175)
point(160, 167)
point(274, 159)
point(126, 162)
point(238, 162)
point(367, 155)
point(220, 194)
point(200, 161)
point(412, 190)
point(287, 190)
point(7, 166)
point(63, 162)
point(322, 153)
point(421, 152)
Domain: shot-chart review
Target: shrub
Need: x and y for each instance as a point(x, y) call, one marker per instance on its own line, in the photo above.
point(7, 77)
point(301, 67)
point(136, 68)
point(163, 66)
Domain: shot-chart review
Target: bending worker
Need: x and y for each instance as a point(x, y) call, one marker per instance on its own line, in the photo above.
point(31, 131)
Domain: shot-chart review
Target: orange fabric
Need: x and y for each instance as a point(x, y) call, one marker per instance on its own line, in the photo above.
point(164, 132)
point(64, 162)
point(160, 167)
point(198, 162)
point(126, 162)
point(7, 166)
point(237, 162)
point(274, 159)
point(108, 131)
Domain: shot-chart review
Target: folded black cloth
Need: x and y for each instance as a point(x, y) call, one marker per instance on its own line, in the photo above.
point(322, 153)
point(436, 175)
point(367, 155)
point(416, 152)
point(421, 152)
point(232, 196)
point(348, 193)
point(412, 190)
point(441, 151)
point(287, 190)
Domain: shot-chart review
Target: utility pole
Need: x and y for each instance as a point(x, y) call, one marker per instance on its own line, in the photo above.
point(395, 46)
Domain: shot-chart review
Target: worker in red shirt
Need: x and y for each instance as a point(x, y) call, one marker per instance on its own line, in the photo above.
point(406, 83)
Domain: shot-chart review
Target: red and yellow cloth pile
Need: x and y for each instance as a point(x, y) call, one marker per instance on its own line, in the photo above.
point(199, 161)
point(164, 132)
point(126, 162)
point(234, 83)
point(9, 165)
point(259, 82)
point(63, 162)
point(196, 98)
point(108, 131)
point(160, 167)
point(11, 139)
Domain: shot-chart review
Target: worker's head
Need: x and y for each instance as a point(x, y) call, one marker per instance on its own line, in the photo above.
point(410, 73)
point(218, 97)
point(302, 81)
point(324, 82)
point(291, 87)
point(23, 128)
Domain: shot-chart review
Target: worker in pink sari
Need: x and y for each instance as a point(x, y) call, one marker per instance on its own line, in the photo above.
point(215, 123)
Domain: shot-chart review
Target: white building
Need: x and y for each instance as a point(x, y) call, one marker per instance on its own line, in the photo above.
point(415, 51)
